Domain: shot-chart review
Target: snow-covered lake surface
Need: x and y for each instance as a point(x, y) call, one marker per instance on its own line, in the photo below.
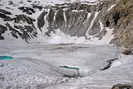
point(37, 66)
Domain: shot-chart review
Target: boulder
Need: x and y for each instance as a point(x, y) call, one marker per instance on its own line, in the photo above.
point(122, 86)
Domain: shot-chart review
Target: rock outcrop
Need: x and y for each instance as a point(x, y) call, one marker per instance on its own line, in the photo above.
point(121, 19)
point(19, 26)
point(2, 30)
point(122, 86)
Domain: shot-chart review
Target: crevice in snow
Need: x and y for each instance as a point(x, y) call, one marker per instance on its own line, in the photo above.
point(109, 64)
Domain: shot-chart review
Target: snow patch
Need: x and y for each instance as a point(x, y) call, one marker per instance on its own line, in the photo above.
point(59, 37)
point(111, 7)
point(91, 24)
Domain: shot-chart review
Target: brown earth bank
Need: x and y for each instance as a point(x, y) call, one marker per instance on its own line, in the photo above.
point(121, 18)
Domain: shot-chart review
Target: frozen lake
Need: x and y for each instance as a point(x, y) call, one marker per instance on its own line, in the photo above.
point(38, 66)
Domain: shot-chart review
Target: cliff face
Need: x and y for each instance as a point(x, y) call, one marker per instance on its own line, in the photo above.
point(121, 19)
point(81, 19)
point(77, 19)
point(73, 18)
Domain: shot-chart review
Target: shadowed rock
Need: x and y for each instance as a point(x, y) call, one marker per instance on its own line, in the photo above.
point(3, 29)
point(23, 18)
point(122, 86)
point(37, 7)
point(127, 51)
point(27, 10)
point(5, 12)
point(5, 17)
point(40, 20)
point(25, 31)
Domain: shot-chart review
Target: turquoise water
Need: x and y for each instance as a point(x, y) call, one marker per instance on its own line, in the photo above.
point(69, 67)
point(6, 58)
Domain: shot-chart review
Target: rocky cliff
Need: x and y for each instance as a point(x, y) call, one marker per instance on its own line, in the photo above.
point(105, 20)
point(121, 19)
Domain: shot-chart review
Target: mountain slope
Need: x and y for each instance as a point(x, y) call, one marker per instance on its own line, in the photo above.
point(98, 22)
point(80, 19)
